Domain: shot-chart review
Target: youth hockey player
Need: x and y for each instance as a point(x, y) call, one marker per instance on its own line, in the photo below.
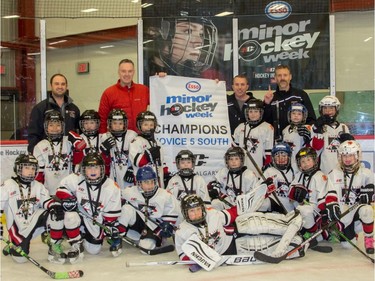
point(267, 232)
point(353, 183)
point(255, 136)
point(297, 134)
point(25, 202)
point(145, 149)
point(233, 180)
point(186, 182)
point(150, 212)
point(116, 143)
point(96, 198)
point(327, 132)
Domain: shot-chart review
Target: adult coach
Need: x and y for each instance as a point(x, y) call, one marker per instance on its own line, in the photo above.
point(126, 95)
point(57, 99)
point(277, 103)
point(238, 101)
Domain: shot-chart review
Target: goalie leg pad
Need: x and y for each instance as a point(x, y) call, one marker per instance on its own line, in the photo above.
point(252, 201)
point(365, 213)
point(250, 243)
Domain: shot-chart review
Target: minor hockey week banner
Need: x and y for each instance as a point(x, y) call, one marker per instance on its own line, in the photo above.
point(192, 114)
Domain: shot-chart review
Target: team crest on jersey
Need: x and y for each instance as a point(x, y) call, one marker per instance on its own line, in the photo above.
point(333, 144)
point(292, 145)
point(252, 144)
point(149, 209)
point(213, 239)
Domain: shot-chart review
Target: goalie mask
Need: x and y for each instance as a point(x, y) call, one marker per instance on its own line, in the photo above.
point(143, 117)
point(193, 209)
point(117, 122)
point(297, 107)
point(251, 112)
point(185, 155)
point(307, 152)
point(281, 156)
point(26, 168)
point(329, 101)
point(147, 181)
point(349, 154)
point(187, 45)
point(89, 123)
point(93, 168)
point(54, 125)
point(234, 152)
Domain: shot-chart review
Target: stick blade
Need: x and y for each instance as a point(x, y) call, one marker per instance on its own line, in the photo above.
point(269, 259)
point(68, 274)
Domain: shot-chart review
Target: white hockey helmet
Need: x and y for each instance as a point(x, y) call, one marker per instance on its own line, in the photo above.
point(350, 147)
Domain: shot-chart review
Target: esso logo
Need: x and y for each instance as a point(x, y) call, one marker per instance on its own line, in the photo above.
point(278, 10)
point(193, 86)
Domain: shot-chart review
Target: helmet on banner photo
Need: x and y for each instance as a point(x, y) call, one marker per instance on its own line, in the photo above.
point(93, 168)
point(117, 115)
point(329, 101)
point(89, 122)
point(186, 45)
point(299, 107)
point(281, 156)
point(254, 104)
point(232, 152)
point(26, 160)
point(147, 181)
point(347, 148)
point(185, 155)
point(305, 152)
point(193, 201)
point(146, 116)
point(54, 125)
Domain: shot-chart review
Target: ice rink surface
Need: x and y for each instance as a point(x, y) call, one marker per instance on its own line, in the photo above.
point(341, 265)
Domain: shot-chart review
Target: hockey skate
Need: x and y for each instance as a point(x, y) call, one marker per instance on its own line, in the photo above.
point(56, 253)
point(369, 245)
point(46, 238)
point(115, 246)
point(75, 253)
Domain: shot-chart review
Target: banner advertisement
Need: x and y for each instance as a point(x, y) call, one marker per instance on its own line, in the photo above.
point(192, 114)
point(9, 152)
point(299, 41)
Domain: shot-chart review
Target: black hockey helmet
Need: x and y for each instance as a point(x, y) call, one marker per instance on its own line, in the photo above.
point(117, 115)
point(185, 155)
point(307, 152)
point(235, 151)
point(23, 160)
point(88, 115)
point(254, 104)
point(146, 116)
point(90, 160)
point(54, 116)
point(193, 201)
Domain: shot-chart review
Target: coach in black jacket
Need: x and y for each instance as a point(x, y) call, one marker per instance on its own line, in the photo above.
point(57, 99)
point(277, 104)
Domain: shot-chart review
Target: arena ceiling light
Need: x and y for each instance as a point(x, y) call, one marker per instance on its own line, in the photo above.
point(11, 17)
point(223, 14)
point(145, 5)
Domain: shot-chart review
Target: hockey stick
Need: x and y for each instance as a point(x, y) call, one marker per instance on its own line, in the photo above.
point(269, 259)
point(339, 234)
point(226, 260)
point(52, 274)
point(264, 178)
point(151, 252)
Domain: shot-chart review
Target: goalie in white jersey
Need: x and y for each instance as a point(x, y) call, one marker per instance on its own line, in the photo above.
point(271, 233)
point(87, 197)
point(353, 183)
point(25, 202)
point(186, 182)
point(150, 213)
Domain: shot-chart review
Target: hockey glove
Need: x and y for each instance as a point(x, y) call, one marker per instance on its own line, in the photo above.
point(333, 211)
point(69, 204)
point(166, 176)
point(345, 137)
point(213, 188)
point(305, 133)
point(129, 175)
point(366, 194)
point(298, 193)
point(318, 127)
point(76, 140)
point(154, 154)
point(56, 211)
point(108, 144)
point(270, 186)
point(166, 229)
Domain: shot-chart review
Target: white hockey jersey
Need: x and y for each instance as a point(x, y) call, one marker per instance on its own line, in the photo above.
point(55, 161)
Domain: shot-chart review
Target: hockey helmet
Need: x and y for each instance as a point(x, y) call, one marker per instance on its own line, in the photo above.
point(21, 161)
point(185, 155)
point(117, 115)
point(251, 105)
point(189, 202)
point(147, 173)
point(89, 115)
point(350, 147)
point(93, 159)
point(235, 151)
point(297, 107)
point(307, 152)
point(281, 148)
point(54, 117)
